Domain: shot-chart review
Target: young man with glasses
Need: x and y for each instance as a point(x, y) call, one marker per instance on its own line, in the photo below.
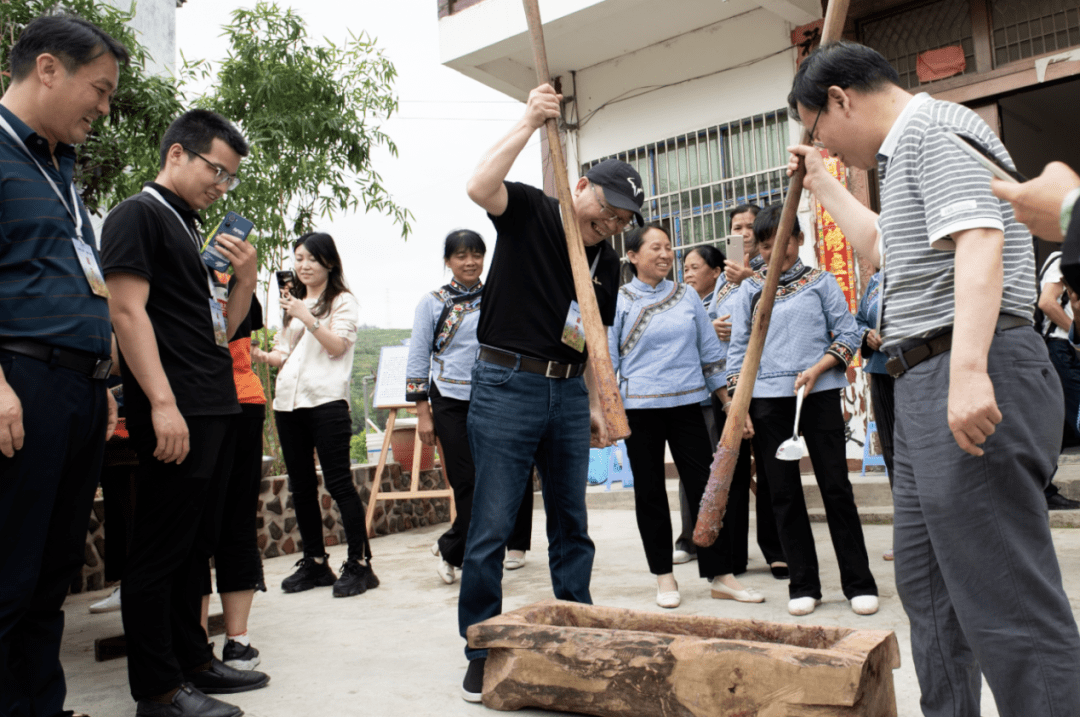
point(529, 397)
point(180, 400)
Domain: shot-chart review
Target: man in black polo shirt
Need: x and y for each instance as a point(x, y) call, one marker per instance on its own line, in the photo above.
point(55, 413)
point(180, 399)
point(532, 399)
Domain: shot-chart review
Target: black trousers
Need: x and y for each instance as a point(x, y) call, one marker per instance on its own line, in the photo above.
point(881, 398)
point(450, 416)
point(237, 562)
point(118, 492)
point(326, 429)
point(46, 492)
point(175, 531)
point(738, 506)
point(683, 428)
point(822, 425)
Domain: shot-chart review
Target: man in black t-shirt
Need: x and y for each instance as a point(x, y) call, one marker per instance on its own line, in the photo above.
point(180, 402)
point(532, 395)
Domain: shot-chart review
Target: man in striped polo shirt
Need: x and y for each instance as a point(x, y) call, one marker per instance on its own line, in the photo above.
point(55, 339)
point(978, 405)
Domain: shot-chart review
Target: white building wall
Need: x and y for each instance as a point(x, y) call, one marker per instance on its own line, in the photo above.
point(728, 95)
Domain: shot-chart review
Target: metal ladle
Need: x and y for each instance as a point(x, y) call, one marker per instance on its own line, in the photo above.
point(791, 449)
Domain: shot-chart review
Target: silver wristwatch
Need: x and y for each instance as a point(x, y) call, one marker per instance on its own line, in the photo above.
point(315, 326)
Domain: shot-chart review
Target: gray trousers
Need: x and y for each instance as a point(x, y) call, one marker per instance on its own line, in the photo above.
point(975, 564)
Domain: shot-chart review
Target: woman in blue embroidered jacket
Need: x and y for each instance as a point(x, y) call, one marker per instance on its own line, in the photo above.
point(442, 352)
point(668, 359)
point(812, 337)
point(702, 268)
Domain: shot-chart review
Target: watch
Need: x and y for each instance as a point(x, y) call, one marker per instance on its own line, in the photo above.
point(315, 326)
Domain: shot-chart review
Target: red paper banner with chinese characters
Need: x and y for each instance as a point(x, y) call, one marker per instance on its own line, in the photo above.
point(834, 253)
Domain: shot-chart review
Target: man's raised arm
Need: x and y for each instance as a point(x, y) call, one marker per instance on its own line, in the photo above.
point(486, 186)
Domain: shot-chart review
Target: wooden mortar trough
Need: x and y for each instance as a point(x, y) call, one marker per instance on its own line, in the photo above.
point(614, 662)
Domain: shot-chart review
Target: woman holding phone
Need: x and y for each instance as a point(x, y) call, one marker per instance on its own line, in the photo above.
point(314, 352)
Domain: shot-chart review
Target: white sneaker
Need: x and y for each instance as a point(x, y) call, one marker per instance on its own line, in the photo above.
point(681, 556)
point(864, 604)
point(443, 568)
point(445, 571)
point(802, 606)
point(109, 604)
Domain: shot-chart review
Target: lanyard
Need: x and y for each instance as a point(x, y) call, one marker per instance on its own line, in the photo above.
point(191, 232)
point(592, 269)
point(73, 210)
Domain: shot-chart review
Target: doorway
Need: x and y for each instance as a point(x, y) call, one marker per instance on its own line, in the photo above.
point(1039, 125)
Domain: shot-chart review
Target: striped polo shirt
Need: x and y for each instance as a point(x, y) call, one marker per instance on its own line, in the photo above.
point(930, 189)
point(44, 294)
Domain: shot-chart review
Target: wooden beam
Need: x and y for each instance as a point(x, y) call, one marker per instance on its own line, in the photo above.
point(982, 31)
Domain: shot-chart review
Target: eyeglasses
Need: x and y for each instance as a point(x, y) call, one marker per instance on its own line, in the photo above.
point(813, 129)
point(621, 224)
point(222, 176)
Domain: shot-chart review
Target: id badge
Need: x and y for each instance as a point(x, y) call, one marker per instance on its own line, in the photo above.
point(573, 333)
point(90, 267)
point(221, 329)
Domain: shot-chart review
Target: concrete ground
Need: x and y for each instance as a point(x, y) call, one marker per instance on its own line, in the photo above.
point(396, 649)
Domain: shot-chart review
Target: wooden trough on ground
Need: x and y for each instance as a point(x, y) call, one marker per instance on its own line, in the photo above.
point(614, 662)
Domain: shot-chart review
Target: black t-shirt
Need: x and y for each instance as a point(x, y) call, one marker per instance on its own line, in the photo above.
point(530, 284)
point(141, 236)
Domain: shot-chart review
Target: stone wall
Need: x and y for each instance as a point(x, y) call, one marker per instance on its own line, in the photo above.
point(277, 533)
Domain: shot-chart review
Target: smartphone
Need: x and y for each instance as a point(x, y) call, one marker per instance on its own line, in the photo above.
point(734, 247)
point(286, 281)
point(233, 224)
point(983, 156)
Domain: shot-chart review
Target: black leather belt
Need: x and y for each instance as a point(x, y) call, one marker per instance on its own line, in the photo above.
point(549, 369)
point(897, 366)
point(84, 363)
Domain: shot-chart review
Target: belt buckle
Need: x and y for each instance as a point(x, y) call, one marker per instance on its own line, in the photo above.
point(102, 368)
point(548, 374)
point(895, 367)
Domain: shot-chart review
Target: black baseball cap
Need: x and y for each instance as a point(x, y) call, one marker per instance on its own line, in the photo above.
point(622, 185)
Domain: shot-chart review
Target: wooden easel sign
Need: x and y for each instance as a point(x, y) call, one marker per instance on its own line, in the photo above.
point(390, 395)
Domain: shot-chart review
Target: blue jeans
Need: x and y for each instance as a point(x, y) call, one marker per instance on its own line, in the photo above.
point(516, 419)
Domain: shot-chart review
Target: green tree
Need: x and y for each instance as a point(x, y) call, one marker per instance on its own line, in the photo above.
point(122, 150)
point(312, 113)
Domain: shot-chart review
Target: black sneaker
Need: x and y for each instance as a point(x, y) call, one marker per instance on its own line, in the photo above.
point(371, 581)
point(473, 686)
point(356, 578)
point(239, 657)
point(311, 574)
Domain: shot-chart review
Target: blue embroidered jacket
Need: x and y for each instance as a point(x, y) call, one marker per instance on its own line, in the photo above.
point(443, 342)
point(663, 346)
point(809, 319)
point(867, 319)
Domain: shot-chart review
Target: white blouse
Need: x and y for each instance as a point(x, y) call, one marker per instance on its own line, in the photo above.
point(310, 376)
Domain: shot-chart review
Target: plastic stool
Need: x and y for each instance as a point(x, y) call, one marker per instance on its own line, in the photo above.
point(867, 458)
